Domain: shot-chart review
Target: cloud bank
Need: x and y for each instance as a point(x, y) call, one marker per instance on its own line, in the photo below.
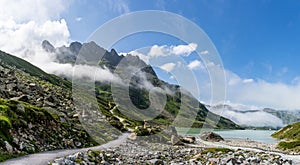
point(25, 24)
point(248, 91)
point(246, 115)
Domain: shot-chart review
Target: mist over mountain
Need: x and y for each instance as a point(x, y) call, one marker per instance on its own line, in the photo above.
point(121, 66)
point(114, 94)
point(127, 70)
point(252, 116)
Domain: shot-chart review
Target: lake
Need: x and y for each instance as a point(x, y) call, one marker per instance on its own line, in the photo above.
point(255, 135)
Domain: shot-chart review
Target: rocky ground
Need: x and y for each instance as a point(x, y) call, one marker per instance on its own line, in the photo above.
point(41, 115)
point(252, 144)
point(134, 152)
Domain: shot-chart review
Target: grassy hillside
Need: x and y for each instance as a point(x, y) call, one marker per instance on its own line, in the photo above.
point(291, 136)
point(25, 128)
point(38, 111)
point(176, 102)
point(18, 63)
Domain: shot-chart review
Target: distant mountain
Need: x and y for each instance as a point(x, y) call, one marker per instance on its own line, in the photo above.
point(250, 116)
point(287, 117)
point(38, 111)
point(91, 53)
point(64, 54)
point(124, 67)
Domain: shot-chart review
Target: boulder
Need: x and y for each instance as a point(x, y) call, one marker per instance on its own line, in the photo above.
point(8, 147)
point(21, 98)
point(175, 140)
point(156, 162)
point(211, 136)
point(132, 136)
point(188, 139)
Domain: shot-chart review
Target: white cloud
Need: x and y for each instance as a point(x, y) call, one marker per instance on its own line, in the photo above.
point(246, 115)
point(248, 91)
point(19, 38)
point(195, 64)
point(260, 92)
point(117, 6)
point(140, 55)
point(257, 119)
point(22, 11)
point(25, 24)
point(165, 50)
point(250, 80)
point(205, 52)
point(156, 50)
point(168, 66)
point(78, 19)
point(184, 49)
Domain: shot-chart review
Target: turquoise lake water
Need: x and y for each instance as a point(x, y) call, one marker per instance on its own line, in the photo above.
point(255, 135)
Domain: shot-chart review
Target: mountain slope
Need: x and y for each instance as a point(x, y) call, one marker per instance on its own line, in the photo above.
point(287, 117)
point(31, 99)
point(141, 78)
point(9, 61)
point(291, 136)
point(37, 111)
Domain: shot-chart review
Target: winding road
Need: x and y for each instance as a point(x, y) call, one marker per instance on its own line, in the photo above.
point(44, 157)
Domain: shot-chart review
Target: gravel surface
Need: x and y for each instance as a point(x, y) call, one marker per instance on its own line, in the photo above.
point(134, 152)
point(44, 158)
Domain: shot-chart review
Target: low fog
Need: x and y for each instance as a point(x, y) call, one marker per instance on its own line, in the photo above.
point(247, 115)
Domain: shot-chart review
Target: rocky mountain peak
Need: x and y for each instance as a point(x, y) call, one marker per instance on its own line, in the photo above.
point(48, 47)
point(75, 47)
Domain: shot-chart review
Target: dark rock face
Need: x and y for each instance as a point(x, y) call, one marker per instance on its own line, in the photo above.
point(75, 47)
point(211, 136)
point(48, 47)
point(92, 54)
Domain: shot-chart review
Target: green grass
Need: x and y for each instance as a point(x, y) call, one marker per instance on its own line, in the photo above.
point(5, 122)
point(287, 145)
point(291, 135)
point(289, 132)
point(10, 116)
point(21, 64)
point(5, 156)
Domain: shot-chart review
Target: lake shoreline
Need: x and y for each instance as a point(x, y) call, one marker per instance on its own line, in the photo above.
point(136, 151)
point(143, 152)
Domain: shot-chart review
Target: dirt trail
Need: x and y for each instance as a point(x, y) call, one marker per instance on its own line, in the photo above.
point(45, 157)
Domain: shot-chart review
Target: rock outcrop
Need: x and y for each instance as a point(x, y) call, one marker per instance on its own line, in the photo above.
point(211, 136)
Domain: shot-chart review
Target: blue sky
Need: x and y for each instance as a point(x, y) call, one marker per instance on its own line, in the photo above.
point(258, 41)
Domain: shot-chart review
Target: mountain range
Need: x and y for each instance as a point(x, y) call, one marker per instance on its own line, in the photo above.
point(38, 111)
point(250, 116)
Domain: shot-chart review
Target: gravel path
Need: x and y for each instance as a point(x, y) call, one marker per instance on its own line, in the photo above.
point(244, 146)
point(44, 158)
